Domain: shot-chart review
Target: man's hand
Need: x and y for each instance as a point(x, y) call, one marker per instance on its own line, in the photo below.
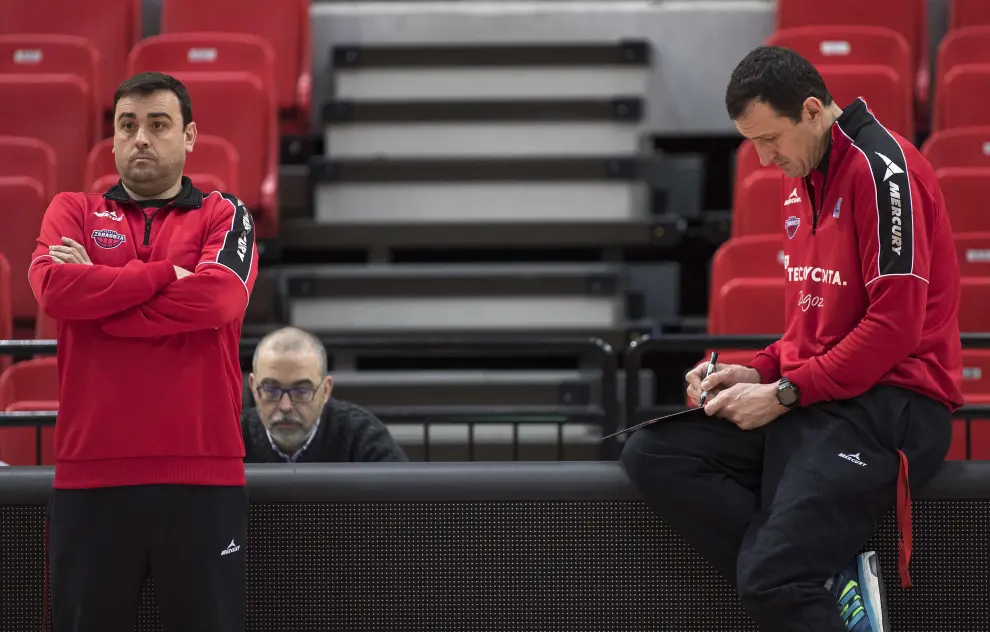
point(181, 272)
point(724, 376)
point(748, 406)
point(69, 252)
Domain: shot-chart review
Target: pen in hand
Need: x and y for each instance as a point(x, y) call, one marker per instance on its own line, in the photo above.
point(711, 368)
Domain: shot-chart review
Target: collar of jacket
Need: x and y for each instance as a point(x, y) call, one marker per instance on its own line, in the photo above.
point(189, 197)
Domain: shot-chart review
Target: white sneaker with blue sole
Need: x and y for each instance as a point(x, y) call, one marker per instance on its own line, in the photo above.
point(860, 595)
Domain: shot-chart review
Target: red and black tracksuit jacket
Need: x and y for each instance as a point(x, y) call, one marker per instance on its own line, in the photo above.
point(148, 364)
point(872, 279)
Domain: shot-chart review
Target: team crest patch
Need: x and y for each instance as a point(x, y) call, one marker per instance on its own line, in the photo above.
point(108, 238)
point(791, 225)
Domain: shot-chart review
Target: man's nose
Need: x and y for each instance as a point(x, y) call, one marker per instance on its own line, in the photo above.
point(141, 138)
point(284, 403)
point(766, 155)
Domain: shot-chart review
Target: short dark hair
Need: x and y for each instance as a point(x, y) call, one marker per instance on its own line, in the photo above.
point(778, 77)
point(146, 83)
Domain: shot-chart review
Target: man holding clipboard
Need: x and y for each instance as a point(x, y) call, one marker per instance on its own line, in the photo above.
point(784, 474)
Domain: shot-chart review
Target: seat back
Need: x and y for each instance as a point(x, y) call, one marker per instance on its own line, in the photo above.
point(963, 13)
point(56, 110)
point(749, 256)
point(214, 161)
point(26, 198)
point(284, 24)
point(849, 44)
point(24, 441)
point(40, 54)
point(886, 94)
point(959, 98)
point(965, 190)
point(748, 306)
point(111, 26)
point(29, 157)
point(973, 250)
point(206, 52)
point(960, 147)
point(251, 132)
point(974, 305)
point(6, 312)
point(909, 18)
point(747, 161)
point(759, 204)
point(35, 379)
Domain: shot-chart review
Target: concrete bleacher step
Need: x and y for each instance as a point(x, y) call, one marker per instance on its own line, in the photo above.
point(472, 129)
point(562, 298)
point(466, 387)
point(471, 71)
point(566, 190)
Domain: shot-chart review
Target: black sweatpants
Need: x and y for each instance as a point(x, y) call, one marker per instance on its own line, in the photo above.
point(103, 543)
point(780, 509)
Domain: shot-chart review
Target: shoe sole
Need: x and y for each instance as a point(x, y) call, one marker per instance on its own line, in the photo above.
point(873, 591)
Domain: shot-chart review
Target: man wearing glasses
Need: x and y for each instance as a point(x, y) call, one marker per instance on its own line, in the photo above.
point(296, 419)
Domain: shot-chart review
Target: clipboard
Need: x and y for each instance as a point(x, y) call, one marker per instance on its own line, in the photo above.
point(679, 413)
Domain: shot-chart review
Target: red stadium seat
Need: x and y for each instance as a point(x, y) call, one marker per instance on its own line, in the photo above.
point(42, 54)
point(747, 161)
point(959, 100)
point(759, 208)
point(960, 147)
point(887, 96)
point(26, 198)
point(45, 327)
point(282, 23)
point(750, 256)
point(253, 133)
point(909, 18)
point(54, 109)
point(974, 305)
point(970, 45)
point(212, 165)
point(29, 157)
point(748, 306)
point(28, 443)
point(207, 52)
point(973, 250)
point(6, 313)
point(963, 13)
point(825, 45)
point(31, 380)
point(112, 26)
point(965, 190)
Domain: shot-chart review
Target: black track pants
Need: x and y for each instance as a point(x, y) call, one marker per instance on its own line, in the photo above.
point(781, 509)
point(102, 544)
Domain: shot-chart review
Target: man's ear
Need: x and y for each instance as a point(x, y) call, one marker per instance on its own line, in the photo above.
point(326, 388)
point(253, 384)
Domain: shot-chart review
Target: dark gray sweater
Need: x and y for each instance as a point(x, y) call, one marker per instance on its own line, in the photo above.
point(347, 433)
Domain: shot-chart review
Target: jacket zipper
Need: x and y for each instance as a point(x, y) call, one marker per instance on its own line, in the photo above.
point(148, 220)
point(816, 205)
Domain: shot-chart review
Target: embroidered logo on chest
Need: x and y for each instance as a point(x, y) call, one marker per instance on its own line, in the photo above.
point(791, 225)
point(108, 238)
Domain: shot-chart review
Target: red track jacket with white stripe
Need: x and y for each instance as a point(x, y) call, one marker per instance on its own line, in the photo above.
point(148, 364)
point(872, 279)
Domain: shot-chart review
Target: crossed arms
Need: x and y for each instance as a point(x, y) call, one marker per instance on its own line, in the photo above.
point(144, 299)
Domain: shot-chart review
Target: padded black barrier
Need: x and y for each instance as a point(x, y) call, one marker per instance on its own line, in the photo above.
point(437, 547)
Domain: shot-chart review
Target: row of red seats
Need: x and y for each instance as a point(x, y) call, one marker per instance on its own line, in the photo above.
point(113, 29)
point(51, 101)
point(960, 157)
point(747, 297)
point(906, 40)
point(28, 180)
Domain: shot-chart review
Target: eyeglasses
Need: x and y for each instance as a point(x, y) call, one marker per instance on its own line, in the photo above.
point(272, 393)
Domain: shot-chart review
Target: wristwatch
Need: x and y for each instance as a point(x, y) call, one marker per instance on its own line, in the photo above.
point(787, 393)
